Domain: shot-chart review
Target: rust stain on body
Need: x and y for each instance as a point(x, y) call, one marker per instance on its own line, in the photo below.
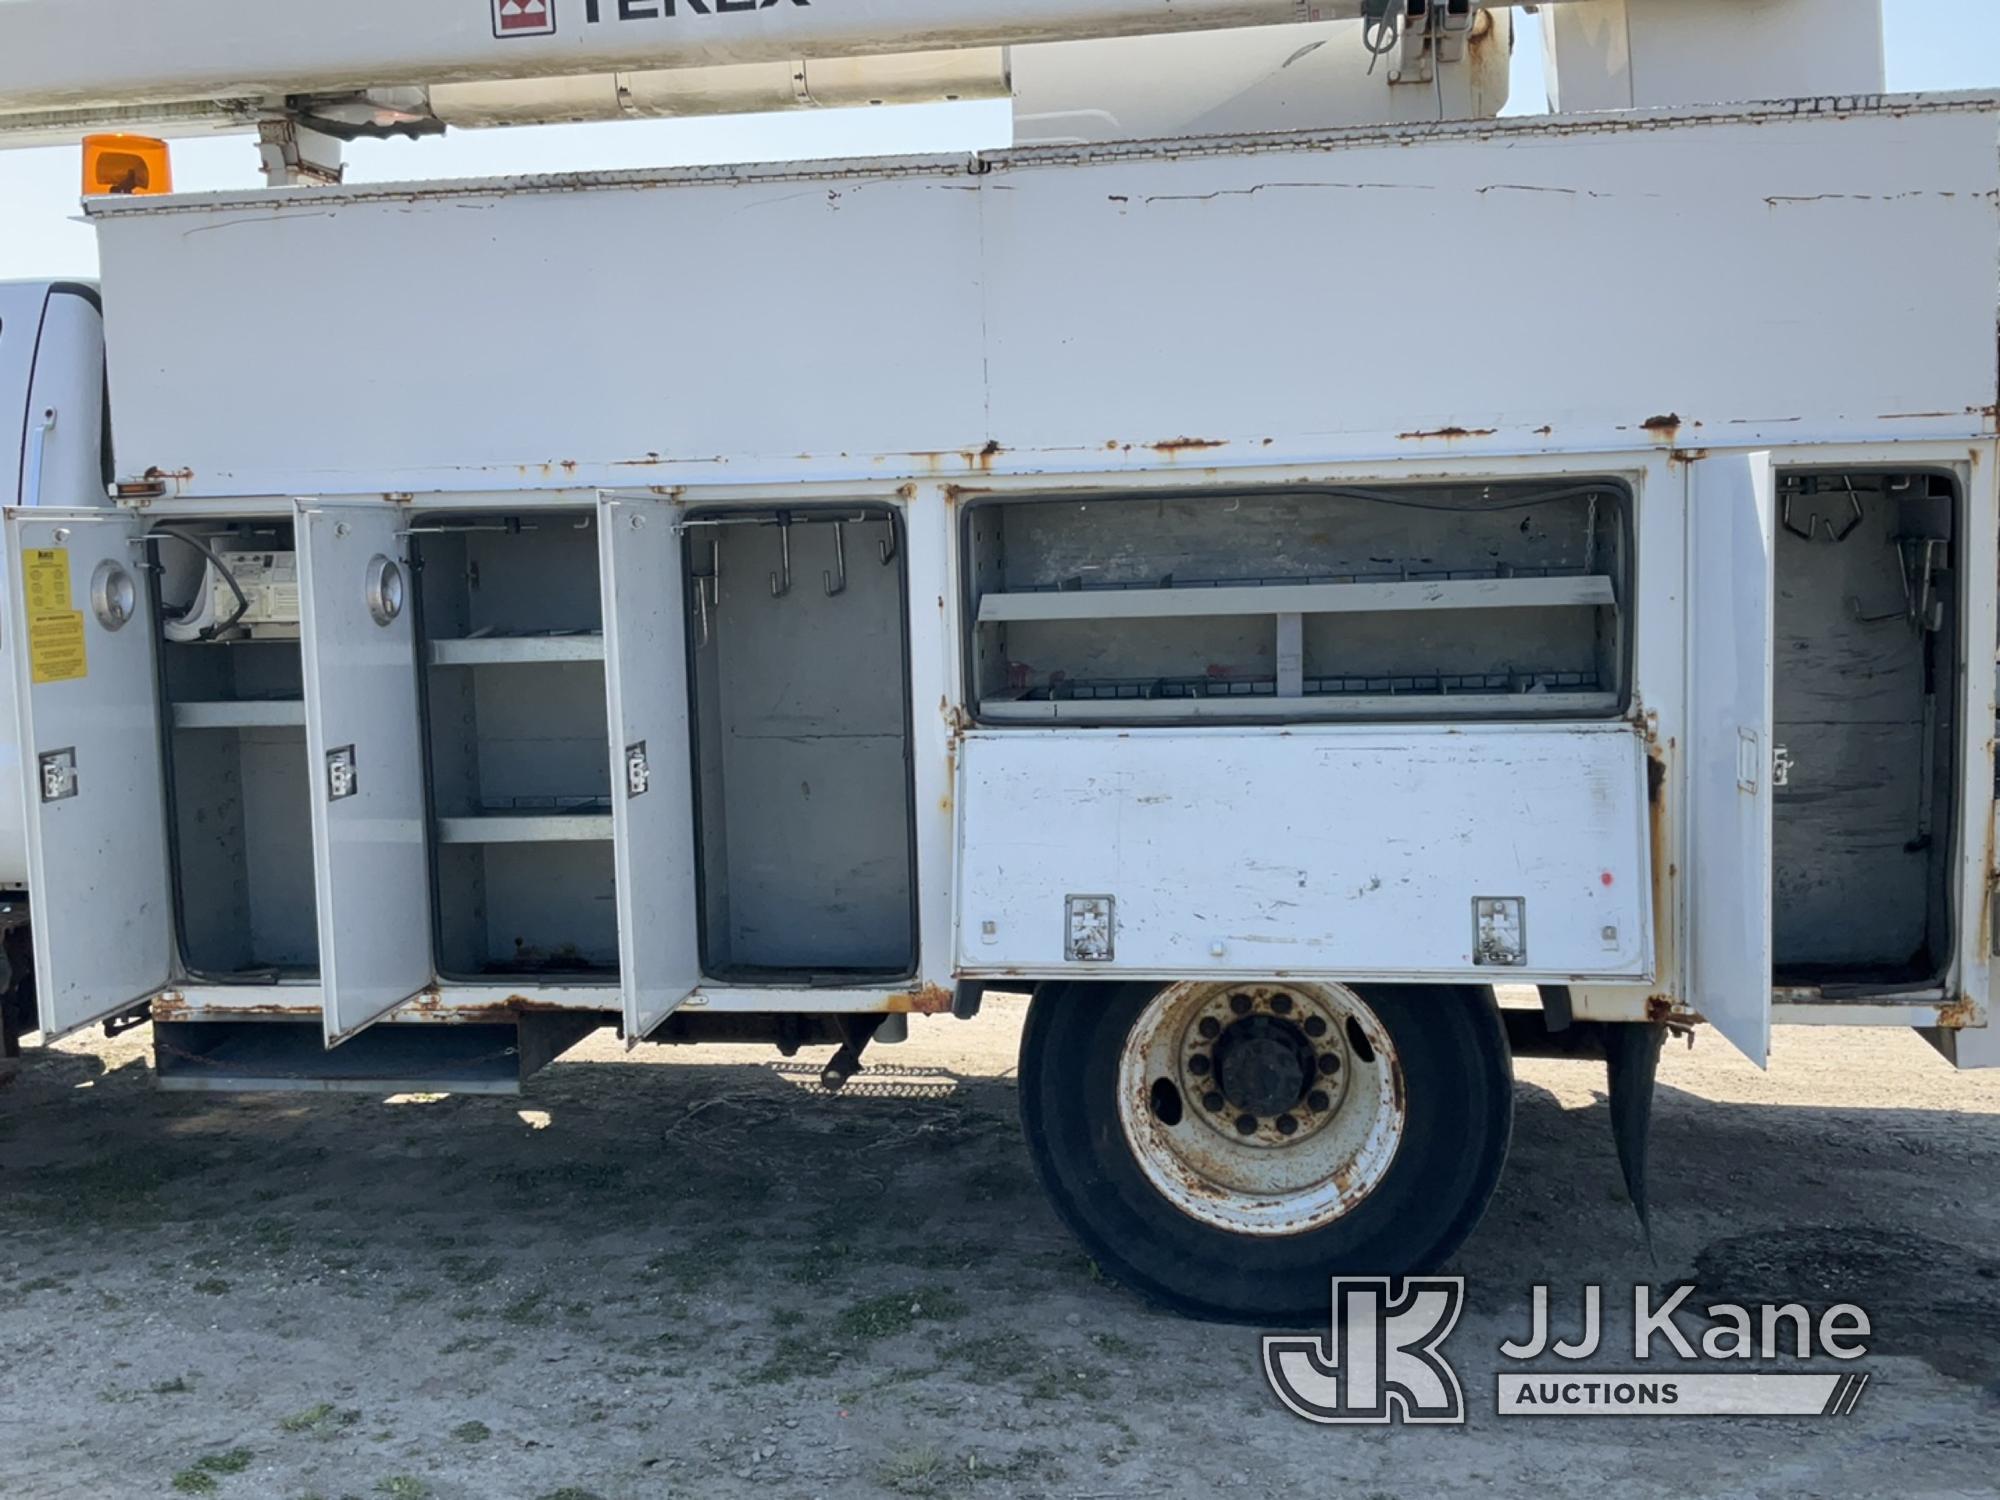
point(927, 1000)
point(1175, 446)
point(180, 479)
point(1449, 433)
point(1958, 1015)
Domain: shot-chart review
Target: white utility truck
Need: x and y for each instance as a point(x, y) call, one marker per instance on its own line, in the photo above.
point(1271, 557)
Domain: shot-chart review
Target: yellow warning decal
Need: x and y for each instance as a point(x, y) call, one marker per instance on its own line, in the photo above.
point(55, 631)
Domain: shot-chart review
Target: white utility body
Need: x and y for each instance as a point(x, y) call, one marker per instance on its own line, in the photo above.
point(1281, 585)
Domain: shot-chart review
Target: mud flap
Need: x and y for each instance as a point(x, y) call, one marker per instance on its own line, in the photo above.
point(1632, 1065)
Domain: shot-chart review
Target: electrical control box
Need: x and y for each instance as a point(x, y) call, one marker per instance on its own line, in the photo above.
point(244, 593)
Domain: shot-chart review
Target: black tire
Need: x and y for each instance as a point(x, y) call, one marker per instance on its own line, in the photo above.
point(1458, 1088)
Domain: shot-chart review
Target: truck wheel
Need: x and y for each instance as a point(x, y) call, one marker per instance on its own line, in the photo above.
point(1227, 1148)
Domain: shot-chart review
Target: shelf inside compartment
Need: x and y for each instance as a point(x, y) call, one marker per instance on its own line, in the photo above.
point(1352, 597)
point(241, 713)
point(505, 650)
point(555, 822)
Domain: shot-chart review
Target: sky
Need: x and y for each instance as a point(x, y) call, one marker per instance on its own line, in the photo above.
point(1932, 45)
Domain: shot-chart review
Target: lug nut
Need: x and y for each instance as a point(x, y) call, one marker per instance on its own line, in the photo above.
point(1287, 1125)
point(1210, 1027)
point(1315, 1027)
point(1317, 1101)
point(1198, 1065)
point(1212, 1102)
point(1240, 1004)
point(1329, 1063)
point(1246, 1124)
point(1282, 1004)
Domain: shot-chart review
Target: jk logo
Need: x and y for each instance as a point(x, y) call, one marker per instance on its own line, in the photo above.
point(1381, 1363)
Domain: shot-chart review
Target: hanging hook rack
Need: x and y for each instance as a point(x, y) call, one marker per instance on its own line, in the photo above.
point(839, 561)
point(708, 590)
point(781, 584)
point(888, 544)
point(1815, 522)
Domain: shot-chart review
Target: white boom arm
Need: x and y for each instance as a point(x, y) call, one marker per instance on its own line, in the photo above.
point(82, 55)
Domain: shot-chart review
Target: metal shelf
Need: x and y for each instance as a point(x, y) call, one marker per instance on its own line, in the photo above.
point(587, 821)
point(254, 713)
point(1584, 591)
point(1310, 706)
point(497, 650)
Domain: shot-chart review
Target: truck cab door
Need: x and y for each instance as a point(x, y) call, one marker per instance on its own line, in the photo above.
point(652, 758)
point(1731, 607)
point(364, 749)
point(81, 622)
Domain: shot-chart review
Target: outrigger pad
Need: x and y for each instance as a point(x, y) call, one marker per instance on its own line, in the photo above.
point(1632, 1065)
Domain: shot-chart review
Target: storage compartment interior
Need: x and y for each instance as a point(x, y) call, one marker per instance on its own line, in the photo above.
point(800, 686)
point(1437, 601)
point(510, 626)
point(1866, 728)
point(232, 688)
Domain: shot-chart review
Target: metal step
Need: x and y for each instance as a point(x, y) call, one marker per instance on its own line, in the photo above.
point(261, 1056)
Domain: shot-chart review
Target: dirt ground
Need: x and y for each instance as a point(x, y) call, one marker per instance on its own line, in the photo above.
point(684, 1272)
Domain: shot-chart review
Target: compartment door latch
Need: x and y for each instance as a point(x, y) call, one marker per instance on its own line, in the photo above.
point(59, 782)
point(341, 781)
point(638, 773)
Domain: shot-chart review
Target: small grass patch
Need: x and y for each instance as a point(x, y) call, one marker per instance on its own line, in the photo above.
point(466, 1271)
point(1119, 1348)
point(694, 1268)
point(526, 1311)
point(913, 1471)
point(321, 1421)
point(403, 1487)
point(821, 1264)
point(472, 1432)
point(893, 1313)
point(993, 1359)
point(1087, 1382)
point(274, 1236)
point(211, 1286)
point(307, 1420)
point(198, 1478)
point(796, 1356)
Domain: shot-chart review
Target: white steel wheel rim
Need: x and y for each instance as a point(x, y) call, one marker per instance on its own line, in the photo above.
point(1204, 1077)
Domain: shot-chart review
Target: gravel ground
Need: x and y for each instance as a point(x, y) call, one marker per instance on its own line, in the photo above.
point(684, 1272)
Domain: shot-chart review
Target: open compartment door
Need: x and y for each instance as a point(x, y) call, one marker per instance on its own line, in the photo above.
point(652, 761)
point(1731, 604)
point(364, 749)
point(99, 890)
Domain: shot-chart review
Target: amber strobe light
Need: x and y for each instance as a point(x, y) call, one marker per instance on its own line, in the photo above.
point(135, 164)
